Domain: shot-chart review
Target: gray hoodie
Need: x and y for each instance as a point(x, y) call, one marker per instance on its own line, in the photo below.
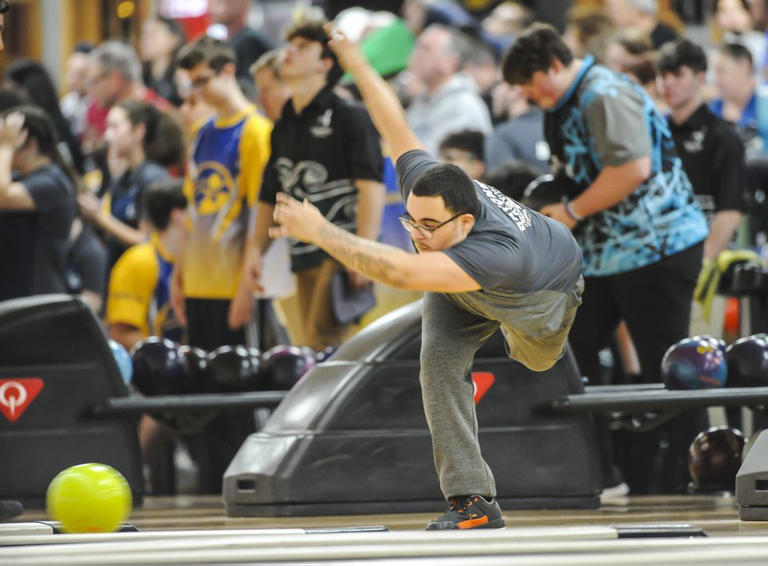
point(452, 107)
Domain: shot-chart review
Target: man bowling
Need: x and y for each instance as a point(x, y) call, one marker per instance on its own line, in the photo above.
point(484, 261)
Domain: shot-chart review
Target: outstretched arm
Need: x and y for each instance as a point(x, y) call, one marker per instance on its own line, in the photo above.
point(382, 103)
point(428, 271)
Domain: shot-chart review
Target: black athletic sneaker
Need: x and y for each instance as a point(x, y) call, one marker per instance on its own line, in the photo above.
point(469, 512)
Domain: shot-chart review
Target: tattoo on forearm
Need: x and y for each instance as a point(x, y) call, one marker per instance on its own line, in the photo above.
point(366, 256)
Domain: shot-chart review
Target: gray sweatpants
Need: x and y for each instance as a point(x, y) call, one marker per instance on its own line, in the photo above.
point(451, 335)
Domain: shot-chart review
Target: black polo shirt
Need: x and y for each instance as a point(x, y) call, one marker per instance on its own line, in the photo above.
point(713, 159)
point(318, 154)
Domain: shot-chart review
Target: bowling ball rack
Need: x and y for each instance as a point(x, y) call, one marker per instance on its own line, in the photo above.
point(185, 404)
point(644, 407)
point(79, 409)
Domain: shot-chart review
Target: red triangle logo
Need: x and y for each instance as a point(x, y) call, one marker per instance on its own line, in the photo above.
point(482, 380)
point(16, 394)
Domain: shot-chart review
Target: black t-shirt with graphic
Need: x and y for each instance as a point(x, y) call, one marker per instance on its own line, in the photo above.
point(318, 154)
point(713, 158)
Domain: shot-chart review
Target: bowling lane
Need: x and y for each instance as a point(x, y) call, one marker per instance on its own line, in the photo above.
point(469, 546)
point(717, 515)
point(186, 530)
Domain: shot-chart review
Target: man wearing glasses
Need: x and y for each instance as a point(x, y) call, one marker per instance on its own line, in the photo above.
point(208, 291)
point(485, 262)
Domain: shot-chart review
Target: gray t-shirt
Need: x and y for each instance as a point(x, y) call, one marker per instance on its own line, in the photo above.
point(528, 265)
point(511, 247)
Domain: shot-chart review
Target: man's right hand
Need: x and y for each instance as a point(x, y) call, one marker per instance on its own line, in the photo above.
point(177, 296)
point(349, 54)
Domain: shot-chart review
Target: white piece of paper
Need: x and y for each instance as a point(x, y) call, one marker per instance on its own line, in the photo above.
point(277, 279)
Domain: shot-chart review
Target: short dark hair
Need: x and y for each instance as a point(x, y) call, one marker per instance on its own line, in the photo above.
point(211, 51)
point(682, 53)
point(534, 50)
point(737, 52)
point(160, 199)
point(471, 141)
point(4, 6)
point(312, 30)
point(453, 184)
point(512, 177)
point(142, 113)
point(163, 135)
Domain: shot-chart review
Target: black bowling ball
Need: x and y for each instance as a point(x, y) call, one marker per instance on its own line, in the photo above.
point(747, 360)
point(715, 457)
point(195, 366)
point(283, 366)
point(749, 278)
point(549, 189)
point(158, 368)
point(234, 369)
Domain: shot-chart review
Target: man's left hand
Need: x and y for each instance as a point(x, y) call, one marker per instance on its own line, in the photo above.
point(558, 212)
point(298, 220)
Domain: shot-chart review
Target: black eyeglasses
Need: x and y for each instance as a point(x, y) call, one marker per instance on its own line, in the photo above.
point(426, 231)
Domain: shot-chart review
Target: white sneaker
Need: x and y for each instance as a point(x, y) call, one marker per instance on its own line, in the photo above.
point(613, 492)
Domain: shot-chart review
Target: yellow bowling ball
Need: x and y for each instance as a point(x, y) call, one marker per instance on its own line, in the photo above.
point(89, 498)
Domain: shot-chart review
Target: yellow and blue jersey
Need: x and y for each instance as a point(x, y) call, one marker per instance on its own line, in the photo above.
point(227, 161)
point(139, 291)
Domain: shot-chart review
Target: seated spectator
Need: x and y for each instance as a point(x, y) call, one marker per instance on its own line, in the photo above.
point(247, 43)
point(480, 63)
point(114, 75)
point(629, 51)
point(131, 130)
point(732, 23)
point(37, 189)
point(74, 104)
point(35, 80)
point(465, 150)
point(161, 39)
point(505, 22)
point(521, 136)
point(737, 102)
point(624, 48)
point(642, 15)
point(587, 31)
point(450, 101)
